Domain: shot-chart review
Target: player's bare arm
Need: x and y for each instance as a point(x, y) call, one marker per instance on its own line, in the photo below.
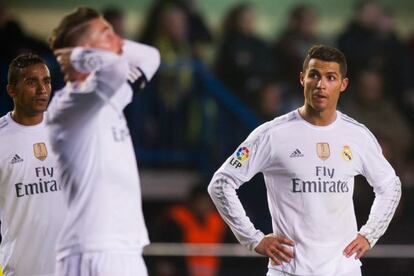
point(276, 248)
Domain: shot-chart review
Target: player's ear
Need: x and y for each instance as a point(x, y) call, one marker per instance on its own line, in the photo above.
point(344, 84)
point(301, 78)
point(11, 90)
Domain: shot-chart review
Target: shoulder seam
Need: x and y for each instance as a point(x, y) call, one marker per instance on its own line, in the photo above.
point(354, 122)
point(274, 123)
point(3, 122)
point(278, 121)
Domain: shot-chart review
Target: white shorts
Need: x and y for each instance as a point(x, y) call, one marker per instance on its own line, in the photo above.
point(354, 272)
point(102, 264)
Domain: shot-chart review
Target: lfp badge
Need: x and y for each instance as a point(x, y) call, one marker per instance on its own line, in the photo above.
point(242, 154)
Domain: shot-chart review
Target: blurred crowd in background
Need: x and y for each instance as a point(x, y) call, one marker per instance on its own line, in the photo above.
point(214, 87)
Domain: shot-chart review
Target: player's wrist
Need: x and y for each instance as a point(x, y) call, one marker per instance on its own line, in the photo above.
point(257, 239)
point(370, 239)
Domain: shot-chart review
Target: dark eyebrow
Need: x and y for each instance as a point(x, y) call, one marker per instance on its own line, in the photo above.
point(313, 71)
point(29, 78)
point(48, 78)
point(332, 73)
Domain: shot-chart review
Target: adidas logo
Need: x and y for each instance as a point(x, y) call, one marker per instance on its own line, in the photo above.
point(16, 159)
point(296, 153)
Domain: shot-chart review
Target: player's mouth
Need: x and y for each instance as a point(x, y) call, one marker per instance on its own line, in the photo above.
point(319, 97)
point(41, 100)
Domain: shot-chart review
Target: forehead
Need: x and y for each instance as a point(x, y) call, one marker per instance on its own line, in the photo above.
point(323, 66)
point(98, 24)
point(38, 70)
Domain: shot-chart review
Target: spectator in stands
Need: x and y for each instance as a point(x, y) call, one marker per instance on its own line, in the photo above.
point(371, 40)
point(371, 108)
point(170, 104)
point(271, 101)
point(394, 64)
point(409, 93)
point(195, 221)
point(197, 32)
point(18, 41)
point(359, 40)
point(291, 47)
point(243, 60)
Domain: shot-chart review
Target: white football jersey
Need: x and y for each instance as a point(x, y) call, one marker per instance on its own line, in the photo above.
point(99, 170)
point(32, 209)
point(309, 174)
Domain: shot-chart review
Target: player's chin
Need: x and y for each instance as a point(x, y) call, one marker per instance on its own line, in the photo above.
point(319, 106)
point(40, 108)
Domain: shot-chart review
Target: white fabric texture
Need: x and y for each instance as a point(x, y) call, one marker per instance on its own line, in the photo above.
point(99, 169)
point(309, 174)
point(102, 264)
point(32, 209)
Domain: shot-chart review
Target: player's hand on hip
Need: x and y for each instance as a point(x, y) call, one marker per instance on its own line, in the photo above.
point(276, 248)
point(359, 245)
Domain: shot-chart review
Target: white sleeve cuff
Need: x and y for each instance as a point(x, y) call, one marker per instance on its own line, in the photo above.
point(86, 60)
point(145, 57)
point(368, 235)
point(257, 239)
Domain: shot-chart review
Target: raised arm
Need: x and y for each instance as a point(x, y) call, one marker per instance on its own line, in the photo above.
point(92, 70)
point(143, 61)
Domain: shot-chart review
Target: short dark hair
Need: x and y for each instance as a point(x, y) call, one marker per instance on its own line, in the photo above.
point(19, 63)
point(326, 53)
point(71, 27)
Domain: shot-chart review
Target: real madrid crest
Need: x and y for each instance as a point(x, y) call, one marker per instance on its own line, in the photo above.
point(347, 153)
point(40, 151)
point(323, 151)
